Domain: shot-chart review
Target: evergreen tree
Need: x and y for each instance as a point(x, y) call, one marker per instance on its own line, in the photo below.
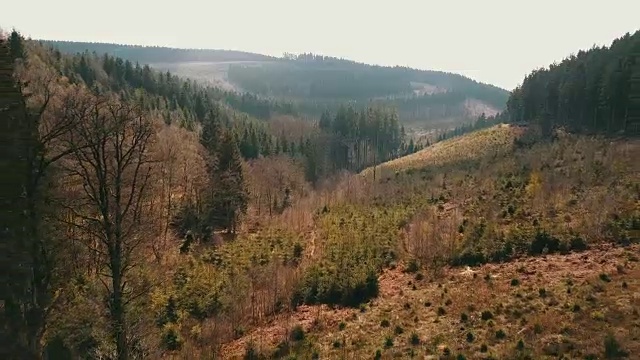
point(16, 47)
point(14, 247)
point(588, 92)
point(230, 197)
point(211, 130)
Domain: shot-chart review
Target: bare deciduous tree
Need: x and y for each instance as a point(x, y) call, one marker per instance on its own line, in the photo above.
point(111, 160)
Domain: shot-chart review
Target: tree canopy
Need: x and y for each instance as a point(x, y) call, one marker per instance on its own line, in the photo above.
point(597, 90)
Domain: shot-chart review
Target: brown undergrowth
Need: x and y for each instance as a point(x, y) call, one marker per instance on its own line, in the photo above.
point(539, 307)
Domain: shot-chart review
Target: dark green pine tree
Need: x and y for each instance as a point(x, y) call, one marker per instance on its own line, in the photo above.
point(311, 169)
point(266, 144)
point(16, 47)
point(14, 269)
point(412, 147)
point(254, 144)
point(292, 148)
point(26, 261)
point(211, 130)
point(325, 121)
point(632, 113)
point(245, 145)
point(278, 148)
point(230, 195)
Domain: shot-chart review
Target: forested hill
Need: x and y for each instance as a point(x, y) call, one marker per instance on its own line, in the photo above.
point(594, 91)
point(328, 77)
point(314, 83)
point(154, 54)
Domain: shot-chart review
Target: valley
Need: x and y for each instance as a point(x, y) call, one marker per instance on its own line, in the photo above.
point(165, 203)
point(313, 84)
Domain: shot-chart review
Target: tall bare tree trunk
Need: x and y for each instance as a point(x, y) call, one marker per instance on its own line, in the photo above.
point(110, 149)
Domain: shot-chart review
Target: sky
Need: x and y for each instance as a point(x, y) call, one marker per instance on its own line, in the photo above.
point(493, 41)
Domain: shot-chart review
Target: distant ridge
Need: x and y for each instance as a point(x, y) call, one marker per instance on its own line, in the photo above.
point(151, 54)
point(316, 83)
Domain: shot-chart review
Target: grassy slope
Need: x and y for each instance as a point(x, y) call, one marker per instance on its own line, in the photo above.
point(480, 195)
point(563, 304)
point(497, 139)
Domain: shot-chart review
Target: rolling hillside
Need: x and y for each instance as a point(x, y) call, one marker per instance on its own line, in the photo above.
point(180, 221)
point(430, 99)
point(488, 247)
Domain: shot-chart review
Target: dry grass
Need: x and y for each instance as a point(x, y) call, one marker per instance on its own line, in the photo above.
point(546, 320)
point(473, 146)
point(575, 185)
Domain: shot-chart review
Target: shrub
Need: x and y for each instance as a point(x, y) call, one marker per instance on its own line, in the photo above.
point(419, 276)
point(378, 355)
point(544, 241)
point(337, 344)
point(415, 339)
point(448, 302)
point(605, 277)
point(297, 251)
point(612, 348)
point(325, 284)
point(520, 345)
point(484, 348)
point(398, 330)
point(470, 257)
point(515, 282)
point(461, 357)
point(341, 326)
point(427, 303)
point(384, 323)
point(470, 337)
point(297, 333)
point(388, 342)
point(537, 328)
point(598, 316)
point(250, 352)
point(500, 334)
point(441, 311)
point(412, 266)
point(281, 350)
point(464, 317)
point(576, 308)
point(486, 315)
point(169, 312)
point(578, 244)
point(171, 339)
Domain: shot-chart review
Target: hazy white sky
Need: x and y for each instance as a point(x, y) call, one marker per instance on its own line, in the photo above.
point(494, 41)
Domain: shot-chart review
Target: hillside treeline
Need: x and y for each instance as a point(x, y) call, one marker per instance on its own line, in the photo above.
point(196, 104)
point(310, 84)
point(323, 77)
point(314, 83)
point(116, 73)
point(597, 90)
point(154, 54)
